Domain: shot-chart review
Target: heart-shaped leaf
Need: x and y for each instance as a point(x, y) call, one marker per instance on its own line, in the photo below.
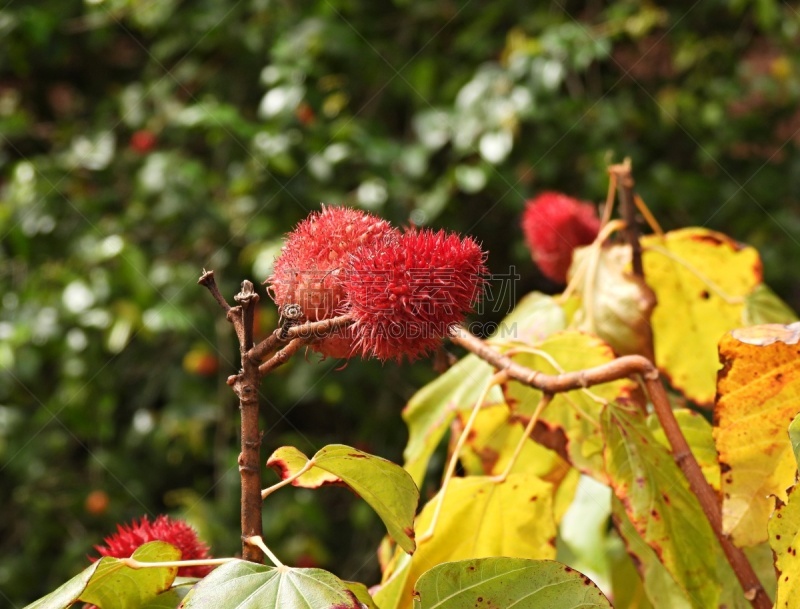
point(245, 585)
point(385, 486)
point(506, 582)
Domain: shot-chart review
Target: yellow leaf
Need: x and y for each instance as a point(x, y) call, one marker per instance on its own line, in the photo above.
point(784, 538)
point(480, 518)
point(758, 396)
point(495, 435)
point(701, 279)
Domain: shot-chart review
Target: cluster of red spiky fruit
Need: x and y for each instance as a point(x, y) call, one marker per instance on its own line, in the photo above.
point(554, 225)
point(129, 537)
point(403, 290)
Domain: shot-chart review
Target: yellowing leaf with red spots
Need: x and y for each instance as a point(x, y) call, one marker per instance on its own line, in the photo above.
point(784, 538)
point(659, 504)
point(758, 397)
point(480, 518)
point(701, 279)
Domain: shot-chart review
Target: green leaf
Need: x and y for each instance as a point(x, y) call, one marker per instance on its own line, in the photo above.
point(763, 306)
point(67, 594)
point(431, 410)
point(110, 584)
point(362, 594)
point(480, 517)
point(385, 486)
point(242, 585)
point(506, 582)
point(169, 599)
point(659, 504)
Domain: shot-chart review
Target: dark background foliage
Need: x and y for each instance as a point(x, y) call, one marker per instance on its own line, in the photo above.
point(143, 140)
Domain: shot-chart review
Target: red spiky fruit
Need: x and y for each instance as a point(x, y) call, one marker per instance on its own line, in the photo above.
point(177, 532)
point(309, 269)
point(554, 225)
point(406, 293)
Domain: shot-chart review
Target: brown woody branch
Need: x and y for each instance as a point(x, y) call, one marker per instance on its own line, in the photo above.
point(245, 385)
point(308, 331)
point(617, 369)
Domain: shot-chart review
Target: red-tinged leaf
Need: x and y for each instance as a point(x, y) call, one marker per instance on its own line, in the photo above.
point(385, 486)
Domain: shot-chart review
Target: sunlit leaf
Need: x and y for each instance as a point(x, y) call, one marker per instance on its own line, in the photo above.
point(480, 518)
point(699, 434)
point(701, 279)
point(241, 585)
point(659, 504)
point(570, 423)
point(615, 304)
point(110, 584)
point(385, 486)
point(758, 396)
point(506, 582)
point(784, 538)
point(431, 410)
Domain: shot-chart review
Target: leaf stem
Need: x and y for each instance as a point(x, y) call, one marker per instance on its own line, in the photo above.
point(258, 542)
point(451, 466)
point(208, 562)
point(269, 490)
point(543, 403)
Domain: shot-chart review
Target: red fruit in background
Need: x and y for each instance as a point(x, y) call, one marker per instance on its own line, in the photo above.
point(96, 502)
point(305, 114)
point(554, 225)
point(177, 532)
point(406, 293)
point(309, 269)
point(201, 362)
point(143, 141)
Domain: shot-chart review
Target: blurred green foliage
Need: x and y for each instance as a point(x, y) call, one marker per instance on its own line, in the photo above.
point(144, 140)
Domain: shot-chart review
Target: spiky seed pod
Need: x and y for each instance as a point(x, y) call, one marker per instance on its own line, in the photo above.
point(406, 293)
point(554, 225)
point(309, 269)
point(177, 532)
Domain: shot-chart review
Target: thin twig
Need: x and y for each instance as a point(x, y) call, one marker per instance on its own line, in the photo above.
point(282, 356)
point(207, 280)
point(619, 368)
point(309, 330)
